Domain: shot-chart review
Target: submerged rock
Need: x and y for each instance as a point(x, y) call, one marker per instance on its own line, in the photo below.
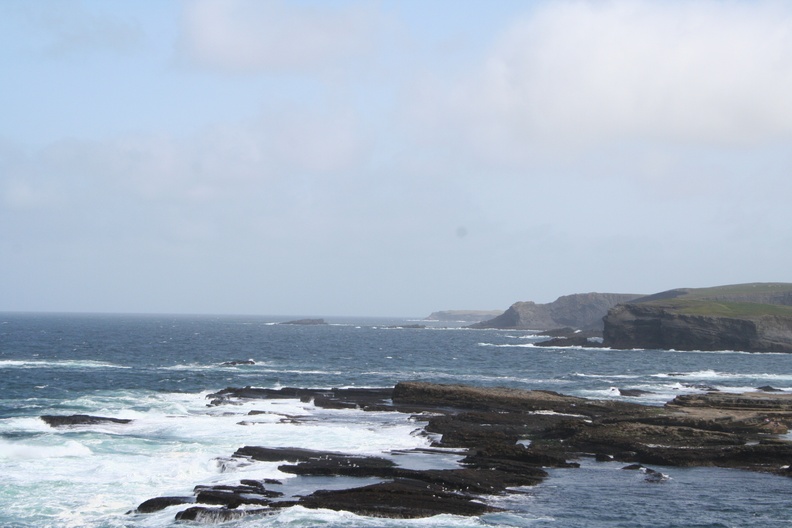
point(237, 362)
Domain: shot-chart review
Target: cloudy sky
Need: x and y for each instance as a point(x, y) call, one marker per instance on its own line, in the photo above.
point(388, 157)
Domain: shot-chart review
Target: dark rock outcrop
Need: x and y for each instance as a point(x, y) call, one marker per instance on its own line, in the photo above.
point(81, 419)
point(160, 503)
point(216, 515)
point(401, 498)
point(580, 311)
point(331, 398)
point(491, 426)
point(750, 317)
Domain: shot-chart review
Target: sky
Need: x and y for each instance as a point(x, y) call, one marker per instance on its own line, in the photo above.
point(388, 158)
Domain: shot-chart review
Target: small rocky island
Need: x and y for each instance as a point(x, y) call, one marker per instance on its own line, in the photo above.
point(755, 317)
point(307, 322)
point(506, 439)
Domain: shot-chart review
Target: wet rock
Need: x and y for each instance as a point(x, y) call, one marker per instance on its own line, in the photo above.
point(748, 401)
point(632, 393)
point(633, 467)
point(631, 436)
point(237, 362)
point(81, 419)
point(260, 483)
point(717, 429)
point(651, 474)
point(216, 515)
point(489, 480)
point(231, 499)
point(342, 465)
point(160, 503)
point(501, 399)
point(402, 498)
point(338, 398)
point(515, 458)
point(282, 454)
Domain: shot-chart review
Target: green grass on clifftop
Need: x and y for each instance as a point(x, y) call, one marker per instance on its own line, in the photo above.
point(752, 288)
point(725, 309)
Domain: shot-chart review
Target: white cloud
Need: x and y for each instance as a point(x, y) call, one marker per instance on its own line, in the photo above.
point(583, 73)
point(223, 180)
point(247, 35)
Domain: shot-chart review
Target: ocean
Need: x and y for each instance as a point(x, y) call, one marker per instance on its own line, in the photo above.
point(157, 371)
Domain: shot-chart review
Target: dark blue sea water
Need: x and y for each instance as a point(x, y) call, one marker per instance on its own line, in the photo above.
point(157, 371)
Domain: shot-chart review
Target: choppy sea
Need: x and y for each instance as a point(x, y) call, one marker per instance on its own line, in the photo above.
point(158, 369)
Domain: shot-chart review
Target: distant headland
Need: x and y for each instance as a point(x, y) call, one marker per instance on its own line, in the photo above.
point(752, 317)
point(463, 316)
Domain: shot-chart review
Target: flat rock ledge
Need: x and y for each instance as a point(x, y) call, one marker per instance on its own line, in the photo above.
point(490, 427)
point(80, 419)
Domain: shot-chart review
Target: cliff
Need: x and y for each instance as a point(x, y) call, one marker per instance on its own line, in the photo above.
point(754, 317)
point(580, 310)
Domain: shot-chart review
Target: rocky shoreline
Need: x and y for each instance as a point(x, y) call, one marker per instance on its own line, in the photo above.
point(508, 437)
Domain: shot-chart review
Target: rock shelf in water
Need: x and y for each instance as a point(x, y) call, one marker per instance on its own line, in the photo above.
point(713, 429)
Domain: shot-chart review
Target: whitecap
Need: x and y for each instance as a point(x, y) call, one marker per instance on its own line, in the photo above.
point(80, 364)
point(23, 451)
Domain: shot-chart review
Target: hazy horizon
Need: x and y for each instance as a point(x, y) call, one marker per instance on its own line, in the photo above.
point(389, 158)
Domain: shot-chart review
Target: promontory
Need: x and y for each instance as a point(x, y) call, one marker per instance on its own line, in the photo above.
point(580, 311)
point(754, 317)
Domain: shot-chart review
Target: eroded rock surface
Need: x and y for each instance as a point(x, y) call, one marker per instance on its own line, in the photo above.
point(491, 427)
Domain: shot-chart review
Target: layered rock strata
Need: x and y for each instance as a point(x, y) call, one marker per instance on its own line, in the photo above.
point(749, 317)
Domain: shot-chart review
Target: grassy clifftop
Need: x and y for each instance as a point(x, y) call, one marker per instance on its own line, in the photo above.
point(753, 317)
point(725, 309)
point(734, 300)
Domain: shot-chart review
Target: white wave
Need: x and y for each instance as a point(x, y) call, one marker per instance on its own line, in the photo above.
point(710, 374)
point(614, 376)
point(299, 516)
point(81, 364)
point(71, 476)
point(216, 366)
point(539, 346)
point(724, 352)
point(507, 345)
point(26, 451)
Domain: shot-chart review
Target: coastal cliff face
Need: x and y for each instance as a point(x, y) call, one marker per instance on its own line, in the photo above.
point(752, 318)
point(582, 311)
